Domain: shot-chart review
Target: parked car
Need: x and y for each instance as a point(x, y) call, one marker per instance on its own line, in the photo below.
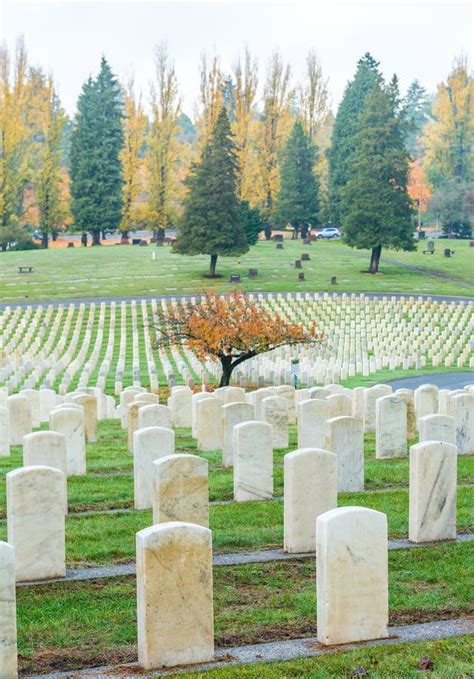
point(329, 232)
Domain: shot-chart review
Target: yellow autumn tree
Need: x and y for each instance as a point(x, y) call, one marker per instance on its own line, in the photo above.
point(15, 134)
point(448, 139)
point(418, 188)
point(243, 126)
point(273, 129)
point(135, 125)
point(314, 106)
point(211, 97)
point(48, 179)
point(313, 97)
point(162, 144)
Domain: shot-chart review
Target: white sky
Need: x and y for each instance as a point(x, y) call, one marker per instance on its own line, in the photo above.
point(415, 39)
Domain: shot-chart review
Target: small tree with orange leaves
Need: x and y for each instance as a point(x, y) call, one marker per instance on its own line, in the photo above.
point(229, 329)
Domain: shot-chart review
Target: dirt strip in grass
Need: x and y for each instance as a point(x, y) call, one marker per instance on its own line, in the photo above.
point(73, 625)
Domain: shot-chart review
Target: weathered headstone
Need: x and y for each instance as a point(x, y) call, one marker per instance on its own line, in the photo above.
point(407, 394)
point(8, 645)
point(437, 428)
point(47, 449)
point(275, 413)
point(209, 424)
point(33, 395)
point(69, 421)
point(432, 501)
point(253, 461)
point(426, 400)
point(463, 411)
point(181, 489)
point(149, 444)
point(339, 405)
point(180, 404)
point(351, 575)
point(154, 415)
point(370, 397)
point(174, 595)
point(35, 522)
point(312, 423)
point(345, 438)
point(20, 418)
point(310, 489)
point(89, 403)
point(232, 414)
point(4, 432)
point(390, 427)
point(48, 400)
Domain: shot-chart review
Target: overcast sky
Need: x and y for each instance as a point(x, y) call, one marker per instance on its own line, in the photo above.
point(415, 39)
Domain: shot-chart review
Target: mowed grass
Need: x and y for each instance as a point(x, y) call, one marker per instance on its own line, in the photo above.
point(102, 539)
point(130, 271)
point(448, 659)
point(73, 625)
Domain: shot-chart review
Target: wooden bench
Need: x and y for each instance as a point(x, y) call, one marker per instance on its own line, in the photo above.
point(25, 269)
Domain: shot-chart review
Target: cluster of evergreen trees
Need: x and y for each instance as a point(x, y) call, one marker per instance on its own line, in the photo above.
point(368, 177)
point(241, 169)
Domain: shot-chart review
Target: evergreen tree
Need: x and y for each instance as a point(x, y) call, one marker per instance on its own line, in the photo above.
point(376, 208)
point(212, 221)
point(252, 220)
point(346, 126)
point(417, 109)
point(297, 202)
point(96, 142)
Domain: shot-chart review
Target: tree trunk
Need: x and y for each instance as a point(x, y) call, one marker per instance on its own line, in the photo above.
point(44, 240)
point(54, 236)
point(96, 238)
point(375, 259)
point(104, 236)
point(267, 231)
point(84, 239)
point(212, 267)
point(227, 369)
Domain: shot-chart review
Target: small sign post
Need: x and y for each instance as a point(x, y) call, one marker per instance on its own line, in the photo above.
point(295, 369)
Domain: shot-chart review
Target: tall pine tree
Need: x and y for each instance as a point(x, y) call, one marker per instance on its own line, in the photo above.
point(417, 111)
point(375, 205)
point(212, 221)
point(96, 143)
point(297, 202)
point(346, 126)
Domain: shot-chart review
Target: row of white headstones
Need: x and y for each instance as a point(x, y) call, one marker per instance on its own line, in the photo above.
point(176, 487)
point(360, 336)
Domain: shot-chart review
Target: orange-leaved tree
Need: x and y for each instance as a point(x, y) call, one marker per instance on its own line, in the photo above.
point(230, 329)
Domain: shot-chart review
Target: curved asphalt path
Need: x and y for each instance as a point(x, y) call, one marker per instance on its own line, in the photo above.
point(129, 298)
point(454, 380)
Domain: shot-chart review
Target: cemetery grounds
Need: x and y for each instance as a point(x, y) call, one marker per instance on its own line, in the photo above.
point(79, 624)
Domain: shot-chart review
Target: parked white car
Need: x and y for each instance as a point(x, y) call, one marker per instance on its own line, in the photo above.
point(329, 232)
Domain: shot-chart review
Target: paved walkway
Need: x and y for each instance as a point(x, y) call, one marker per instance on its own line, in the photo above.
point(230, 559)
point(452, 380)
point(278, 651)
point(129, 298)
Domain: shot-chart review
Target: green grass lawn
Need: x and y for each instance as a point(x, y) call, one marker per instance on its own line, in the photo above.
point(103, 539)
point(131, 271)
point(81, 624)
point(450, 659)
point(75, 625)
